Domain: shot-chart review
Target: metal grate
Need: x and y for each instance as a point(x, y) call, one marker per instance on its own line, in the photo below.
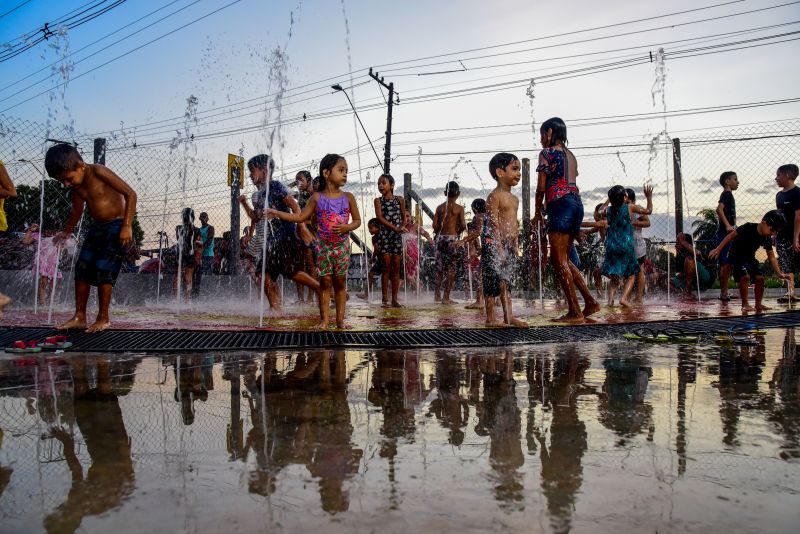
point(187, 340)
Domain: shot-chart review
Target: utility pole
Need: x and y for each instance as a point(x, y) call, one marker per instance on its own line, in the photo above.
point(387, 150)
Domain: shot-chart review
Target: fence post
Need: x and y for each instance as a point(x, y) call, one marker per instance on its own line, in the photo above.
point(678, 176)
point(100, 150)
point(526, 223)
point(407, 189)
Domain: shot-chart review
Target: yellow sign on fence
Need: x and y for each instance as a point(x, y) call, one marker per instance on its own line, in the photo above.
point(235, 170)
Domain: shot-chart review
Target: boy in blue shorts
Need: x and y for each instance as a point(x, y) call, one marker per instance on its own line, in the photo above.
point(746, 240)
point(726, 215)
point(112, 205)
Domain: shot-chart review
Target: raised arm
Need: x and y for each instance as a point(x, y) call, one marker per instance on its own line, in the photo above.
point(118, 184)
point(7, 189)
point(643, 221)
point(247, 209)
point(648, 194)
point(302, 216)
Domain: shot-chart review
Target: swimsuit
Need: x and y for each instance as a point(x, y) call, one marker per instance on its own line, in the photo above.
point(391, 241)
point(332, 248)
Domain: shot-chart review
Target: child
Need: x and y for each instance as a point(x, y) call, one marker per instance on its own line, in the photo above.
point(689, 274)
point(746, 241)
point(558, 170)
point(412, 231)
point(190, 247)
point(7, 190)
point(472, 241)
point(49, 255)
point(375, 262)
point(282, 245)
point(333, 208)
point(206, 263)
point(305, 189)
point(448, 223)
point(620, 261)
point(500, 234)
point(390, 210)
point(788, 240)
point(112, 205)
point(726, 216)
point(640, 246)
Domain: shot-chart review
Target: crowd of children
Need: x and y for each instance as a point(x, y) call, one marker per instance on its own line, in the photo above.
point(305, 237)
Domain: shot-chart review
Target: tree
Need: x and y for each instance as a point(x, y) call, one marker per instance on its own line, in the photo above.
point(705, 230)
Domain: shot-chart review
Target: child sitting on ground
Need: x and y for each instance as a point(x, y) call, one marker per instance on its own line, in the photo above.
point(500, 235)
point(112, 205)
point(747, 239)
point(333, 208)
point(448, 223)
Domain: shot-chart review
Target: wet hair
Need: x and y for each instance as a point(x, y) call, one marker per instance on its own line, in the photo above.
point(63, 157)
point(187, 216)
point(389, 178)
point(559, 130)
point(261, 161)
point(327, 164)
point(501, 161)
point(790, 169)
point(631, 194)
point(304, 174)
point(452, 189)
point(373, 222)
point(616, 196)
point(479, 205)
point(724, 177)
point(775, 220)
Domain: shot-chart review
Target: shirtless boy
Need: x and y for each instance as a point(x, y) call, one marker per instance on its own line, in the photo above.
point(112, 205)
point(501, 231)
point(448, 223)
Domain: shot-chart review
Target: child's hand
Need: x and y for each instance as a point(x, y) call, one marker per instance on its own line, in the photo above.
point(729, 228)
point(270, 213)
point(242, 199)
point(601, 224)
point(785, 276)
point(60, 237)
point(340, 228)
point(714, 253)
point(648, 191)
point(33, 228)
point(125, 235)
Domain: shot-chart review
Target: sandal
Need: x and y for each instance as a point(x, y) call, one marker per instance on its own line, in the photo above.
point(56, 343)
point(23, 347)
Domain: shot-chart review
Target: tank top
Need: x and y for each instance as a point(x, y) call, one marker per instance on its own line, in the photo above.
point(556, 169)
point(331, 212)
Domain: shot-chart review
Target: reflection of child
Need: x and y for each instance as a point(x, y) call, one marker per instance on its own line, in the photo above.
point(747, 239)
point(333, 209)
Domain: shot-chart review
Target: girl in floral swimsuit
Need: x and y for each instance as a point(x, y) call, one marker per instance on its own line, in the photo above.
point(390, 211)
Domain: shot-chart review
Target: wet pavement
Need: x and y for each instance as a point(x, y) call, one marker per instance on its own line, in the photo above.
point(222, 315)
point(591, 437)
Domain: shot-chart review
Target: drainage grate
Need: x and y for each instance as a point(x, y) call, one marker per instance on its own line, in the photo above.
point(185, 340)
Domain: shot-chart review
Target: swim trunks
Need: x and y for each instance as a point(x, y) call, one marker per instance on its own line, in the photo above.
point(497, 268)
point(447, 253)
point(333, 259)
point(284, 257)
point(101, 254)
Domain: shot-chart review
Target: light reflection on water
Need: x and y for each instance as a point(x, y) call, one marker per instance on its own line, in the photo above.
point(582, 437)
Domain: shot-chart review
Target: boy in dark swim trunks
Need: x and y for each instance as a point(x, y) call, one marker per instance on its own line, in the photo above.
point(112, 205)
point(499, 239)
point(448, 223)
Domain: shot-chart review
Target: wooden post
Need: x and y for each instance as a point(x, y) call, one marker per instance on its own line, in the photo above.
point(526, 223)
point(678, 176)
point(407, 186)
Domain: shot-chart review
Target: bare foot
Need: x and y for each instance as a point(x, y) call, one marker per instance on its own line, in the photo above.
point(322, 325)
point(569, 318)
point(396, 304)
point(362, 296)
point(590, 308)
point(75, 322)
point(747, 308)
point(495, 323)
point(624, 303)
point(448, 301)
point(761, 307)
point(475, 306)
point(519, 323)
point(99, 325)
point(343, 326)
point(385, 304)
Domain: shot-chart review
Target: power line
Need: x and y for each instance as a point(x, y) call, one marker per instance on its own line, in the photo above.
point(15, 8)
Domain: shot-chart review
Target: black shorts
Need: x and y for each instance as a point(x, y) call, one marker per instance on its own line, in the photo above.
point(745, 266)
point(285, 256)
point(101, 254)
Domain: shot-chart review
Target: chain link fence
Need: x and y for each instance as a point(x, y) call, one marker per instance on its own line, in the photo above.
point(170, 178)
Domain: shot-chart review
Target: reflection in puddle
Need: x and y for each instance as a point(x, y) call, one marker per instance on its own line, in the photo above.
point(583, 437)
